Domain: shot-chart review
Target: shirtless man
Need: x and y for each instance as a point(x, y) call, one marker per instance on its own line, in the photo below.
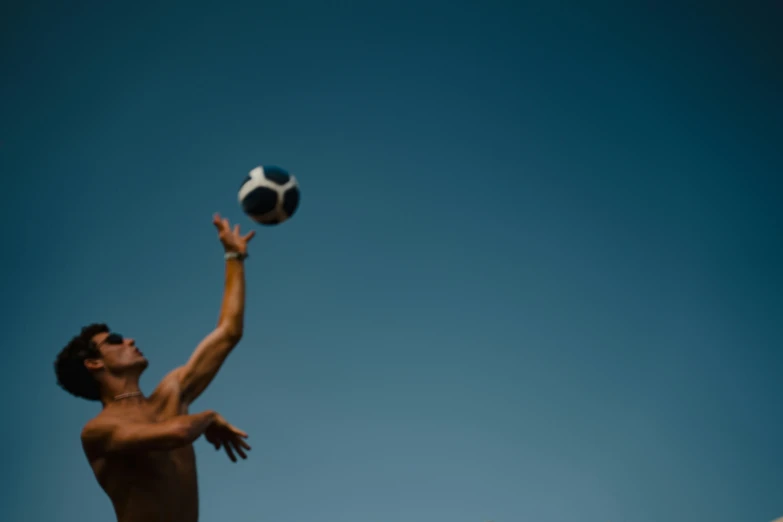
point(140, 448)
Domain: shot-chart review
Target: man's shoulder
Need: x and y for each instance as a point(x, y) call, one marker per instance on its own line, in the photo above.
point(167, 395)
point(101, 425)
point(169, 385)
point(94, 427)
point(95, 432)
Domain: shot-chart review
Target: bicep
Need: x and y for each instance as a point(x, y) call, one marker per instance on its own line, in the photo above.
point(202, 366)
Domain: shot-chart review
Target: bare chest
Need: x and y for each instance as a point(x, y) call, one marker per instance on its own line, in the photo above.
point(152, 485)
point(151, 464)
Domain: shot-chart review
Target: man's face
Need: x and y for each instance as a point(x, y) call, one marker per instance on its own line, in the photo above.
point(119, 354)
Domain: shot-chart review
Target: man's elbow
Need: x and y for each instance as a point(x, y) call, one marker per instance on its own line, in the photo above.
point(234, 336)
point(183, 433)
point(231, 333)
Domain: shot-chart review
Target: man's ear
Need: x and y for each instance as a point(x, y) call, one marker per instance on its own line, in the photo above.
point(94, 364)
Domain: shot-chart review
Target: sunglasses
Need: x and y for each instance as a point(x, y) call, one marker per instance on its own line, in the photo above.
point(112, 338)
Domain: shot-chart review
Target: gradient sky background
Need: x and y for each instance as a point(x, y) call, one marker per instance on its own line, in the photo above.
point(535, 274)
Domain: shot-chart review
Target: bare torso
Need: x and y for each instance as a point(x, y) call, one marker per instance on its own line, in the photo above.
point(156, 486)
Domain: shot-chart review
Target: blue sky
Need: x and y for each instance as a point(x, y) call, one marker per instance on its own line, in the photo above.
point(534, 275)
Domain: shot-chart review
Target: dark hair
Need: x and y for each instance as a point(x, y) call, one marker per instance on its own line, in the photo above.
point(72, 375)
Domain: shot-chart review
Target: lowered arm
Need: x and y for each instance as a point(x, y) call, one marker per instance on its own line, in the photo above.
point(117, 436)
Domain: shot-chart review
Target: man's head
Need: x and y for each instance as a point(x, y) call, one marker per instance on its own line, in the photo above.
point(94, 357)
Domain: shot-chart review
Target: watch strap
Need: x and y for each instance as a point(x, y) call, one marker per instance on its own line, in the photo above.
point(235, 255)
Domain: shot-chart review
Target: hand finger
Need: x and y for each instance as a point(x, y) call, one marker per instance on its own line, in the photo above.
point(236, 229)
point(239, 432)
point(249, 236)
point(226, 226)
point(216, 220)
point(229, 452)
point(239, 449)
point(220, 224)
point(238, 440)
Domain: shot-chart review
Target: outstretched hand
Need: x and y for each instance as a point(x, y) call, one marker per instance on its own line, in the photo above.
point(231, 239)
point(222, 434)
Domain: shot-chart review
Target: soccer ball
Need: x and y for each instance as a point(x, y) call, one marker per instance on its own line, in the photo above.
point(269, 195)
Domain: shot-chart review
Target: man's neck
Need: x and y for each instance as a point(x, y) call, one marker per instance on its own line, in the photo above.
point(122, 391)
point(127, 395)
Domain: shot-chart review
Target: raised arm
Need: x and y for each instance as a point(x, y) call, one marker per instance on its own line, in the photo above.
point(211, 352)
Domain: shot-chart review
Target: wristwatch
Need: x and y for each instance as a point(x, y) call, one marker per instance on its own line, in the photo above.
point(235, 255)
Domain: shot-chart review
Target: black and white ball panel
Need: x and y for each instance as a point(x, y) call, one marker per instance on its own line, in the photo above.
point(269, 195)
point(291, 201)
point(277, 175)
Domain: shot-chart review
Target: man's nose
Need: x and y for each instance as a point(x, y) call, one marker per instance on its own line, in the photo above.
point(130, 341)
